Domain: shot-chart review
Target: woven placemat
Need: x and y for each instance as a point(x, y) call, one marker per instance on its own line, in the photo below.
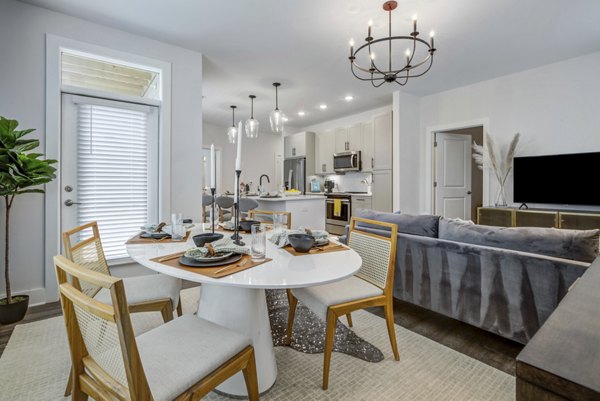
point(331, 247)
point(137, 239)
point(244, 263)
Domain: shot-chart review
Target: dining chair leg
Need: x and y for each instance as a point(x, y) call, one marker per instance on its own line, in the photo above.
point(329, 336)
point(349, 318)
point(293, 302)
point(251, 378)
point(389, 318)
point(167, 311)
point(69, 383)
point(179, 308)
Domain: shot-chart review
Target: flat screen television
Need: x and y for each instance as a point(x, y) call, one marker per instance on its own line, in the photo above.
point(564, 179)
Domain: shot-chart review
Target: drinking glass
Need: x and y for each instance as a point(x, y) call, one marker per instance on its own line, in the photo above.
point(278, 224)
point(177, 227)
point(258, 245)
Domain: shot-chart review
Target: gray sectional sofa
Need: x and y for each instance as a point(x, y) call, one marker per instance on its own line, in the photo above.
point(504, 280)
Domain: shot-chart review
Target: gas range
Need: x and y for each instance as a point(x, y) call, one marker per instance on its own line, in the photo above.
point(345, 194)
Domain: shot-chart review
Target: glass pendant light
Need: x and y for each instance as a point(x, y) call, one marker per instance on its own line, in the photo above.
point(232, 131)
point(251, 123)
point(276, 117)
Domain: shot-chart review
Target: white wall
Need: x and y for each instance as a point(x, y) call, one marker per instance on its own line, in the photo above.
point(554, 107)
point(22, 79)
point(258, 155)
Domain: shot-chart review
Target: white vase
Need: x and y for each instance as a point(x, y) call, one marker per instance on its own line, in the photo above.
point(500, 197)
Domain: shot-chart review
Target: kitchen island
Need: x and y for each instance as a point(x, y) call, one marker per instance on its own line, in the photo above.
point(307, 210)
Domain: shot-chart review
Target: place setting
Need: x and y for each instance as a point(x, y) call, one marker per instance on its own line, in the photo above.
point(304, 241)
point(178, 231)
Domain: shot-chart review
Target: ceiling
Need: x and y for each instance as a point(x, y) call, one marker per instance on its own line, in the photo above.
point(248, 45)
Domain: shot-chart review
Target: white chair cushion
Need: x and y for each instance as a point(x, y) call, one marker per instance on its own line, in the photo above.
point(321, 297)
point(146, 288)
point(179, 353)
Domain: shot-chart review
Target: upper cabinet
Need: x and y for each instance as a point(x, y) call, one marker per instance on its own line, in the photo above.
point(367, 156)
point(325, 149)
point(296, 145)
point(348, 138)
point(382, 141)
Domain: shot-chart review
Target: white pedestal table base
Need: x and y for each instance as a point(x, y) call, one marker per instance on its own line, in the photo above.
point(243, 310)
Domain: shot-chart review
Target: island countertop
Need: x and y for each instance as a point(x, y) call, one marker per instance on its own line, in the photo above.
point(289, 198)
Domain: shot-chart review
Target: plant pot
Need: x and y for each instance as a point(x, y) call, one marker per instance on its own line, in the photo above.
point(12, 313)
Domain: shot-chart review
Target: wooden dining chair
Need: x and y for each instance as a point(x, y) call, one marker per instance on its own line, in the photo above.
point(207, 201)
point(183, 359)
point(268, 216)
point(246, 205)
point(154, 292)
point(371, 286)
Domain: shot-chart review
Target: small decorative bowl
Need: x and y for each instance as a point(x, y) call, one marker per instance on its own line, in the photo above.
point(301, 242)
point(202, 239)
point(246, 225)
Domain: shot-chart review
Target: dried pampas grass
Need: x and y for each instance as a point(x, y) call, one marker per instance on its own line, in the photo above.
point(488, 156)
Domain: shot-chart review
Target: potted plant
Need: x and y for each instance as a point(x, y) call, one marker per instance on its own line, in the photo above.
point(21, 172)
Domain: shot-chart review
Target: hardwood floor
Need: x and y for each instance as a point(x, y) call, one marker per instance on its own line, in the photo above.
point(486, 347)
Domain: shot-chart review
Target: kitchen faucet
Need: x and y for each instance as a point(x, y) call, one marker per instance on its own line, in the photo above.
point(260, 186)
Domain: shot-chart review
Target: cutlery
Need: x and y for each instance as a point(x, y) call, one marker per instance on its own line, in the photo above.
point(242, 263)
point(169, 257)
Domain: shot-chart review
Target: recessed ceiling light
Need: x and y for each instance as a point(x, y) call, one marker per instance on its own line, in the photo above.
point(301, 113)
point(323, 106)
point(349, 98)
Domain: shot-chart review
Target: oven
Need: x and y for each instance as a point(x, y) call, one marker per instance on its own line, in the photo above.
point(336, 220)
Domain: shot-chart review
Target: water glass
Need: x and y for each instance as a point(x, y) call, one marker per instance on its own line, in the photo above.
point(177, 227)
point(278, 222)
point(258, 246)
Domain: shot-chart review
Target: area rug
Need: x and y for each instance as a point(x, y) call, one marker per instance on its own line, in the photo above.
point(35, 365)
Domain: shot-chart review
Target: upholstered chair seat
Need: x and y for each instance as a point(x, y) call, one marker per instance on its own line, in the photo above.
point(146, 288)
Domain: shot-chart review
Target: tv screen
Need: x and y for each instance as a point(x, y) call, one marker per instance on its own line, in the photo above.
point(566, 179)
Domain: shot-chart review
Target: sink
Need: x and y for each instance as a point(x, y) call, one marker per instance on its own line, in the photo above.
point(270, 196)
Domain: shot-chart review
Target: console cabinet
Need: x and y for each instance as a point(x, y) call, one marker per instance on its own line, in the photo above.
point(511, 217)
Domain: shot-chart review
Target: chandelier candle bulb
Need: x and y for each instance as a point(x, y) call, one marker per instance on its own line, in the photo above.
point(369, 31)
point(238, 157)
point(415, 24)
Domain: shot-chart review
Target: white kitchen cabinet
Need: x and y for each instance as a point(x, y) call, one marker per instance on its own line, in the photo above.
point(348, 138)
point(341, 139)
point(382, 141)
point(296, 145)
point(367, 156)
point(381, 188)
point(325, 149)
point(360, 202)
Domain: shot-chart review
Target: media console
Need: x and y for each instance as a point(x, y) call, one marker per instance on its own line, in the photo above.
point(514, 217)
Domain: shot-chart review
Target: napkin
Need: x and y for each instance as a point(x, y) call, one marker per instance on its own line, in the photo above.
point(223, 245)
point(280, 239)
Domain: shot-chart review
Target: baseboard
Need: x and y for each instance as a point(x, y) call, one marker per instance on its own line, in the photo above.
point(37, 296)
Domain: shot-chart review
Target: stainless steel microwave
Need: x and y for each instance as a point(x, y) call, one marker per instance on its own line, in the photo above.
point(346, 161)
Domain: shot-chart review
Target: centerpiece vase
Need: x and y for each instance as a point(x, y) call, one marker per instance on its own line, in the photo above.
point(501, 196)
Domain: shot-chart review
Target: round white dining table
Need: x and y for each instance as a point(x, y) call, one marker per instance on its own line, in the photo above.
point(238, 301)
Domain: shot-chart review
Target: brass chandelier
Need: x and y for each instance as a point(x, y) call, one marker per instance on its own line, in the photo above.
point(409, 68)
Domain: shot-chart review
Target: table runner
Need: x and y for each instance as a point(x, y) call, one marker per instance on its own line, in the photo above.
point(212, 271)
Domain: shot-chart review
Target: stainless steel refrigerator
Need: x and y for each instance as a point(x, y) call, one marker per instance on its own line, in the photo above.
point(294, 173)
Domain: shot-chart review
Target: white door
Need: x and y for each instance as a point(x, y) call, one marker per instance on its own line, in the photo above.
point(109, 168)
point(452, 182)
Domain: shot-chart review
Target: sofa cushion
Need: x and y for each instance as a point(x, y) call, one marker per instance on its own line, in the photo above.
point(425, 225)
point(579, 245)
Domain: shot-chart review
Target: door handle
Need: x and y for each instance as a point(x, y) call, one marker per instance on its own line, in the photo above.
point(372, 162)
point(469, 192)
point(69, 202)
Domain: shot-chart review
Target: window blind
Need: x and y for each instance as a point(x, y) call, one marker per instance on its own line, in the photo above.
point(113, 173)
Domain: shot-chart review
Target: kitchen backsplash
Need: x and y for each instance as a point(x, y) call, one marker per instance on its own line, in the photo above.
point(349, 182)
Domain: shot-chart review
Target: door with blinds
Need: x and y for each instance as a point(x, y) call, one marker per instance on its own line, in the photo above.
point(109, 168)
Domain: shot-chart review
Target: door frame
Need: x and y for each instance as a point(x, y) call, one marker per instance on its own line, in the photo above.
point(52, 219)
point(430, 159)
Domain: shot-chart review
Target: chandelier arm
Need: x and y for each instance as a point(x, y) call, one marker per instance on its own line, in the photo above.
point(365, 79)
point(368, 71)
point(373, 65)
point(424, 72)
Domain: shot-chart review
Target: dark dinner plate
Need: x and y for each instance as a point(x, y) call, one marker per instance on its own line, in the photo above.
point(194, 263)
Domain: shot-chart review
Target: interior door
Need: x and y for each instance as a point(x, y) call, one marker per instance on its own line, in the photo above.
point(452, 182)
point(109, 168)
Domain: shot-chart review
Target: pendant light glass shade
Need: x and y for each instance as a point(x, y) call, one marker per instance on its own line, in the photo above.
point(232, 131)
point(251, 123)
point(276, 116)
